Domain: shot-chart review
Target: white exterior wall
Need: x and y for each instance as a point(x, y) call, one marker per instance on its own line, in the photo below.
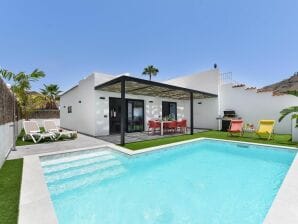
point(151, 110)
point(294, 131)
point(83, 116)
point(209, 81)
point(70, 120)
point(253, 106)
point(91, 116)
point(205, 113)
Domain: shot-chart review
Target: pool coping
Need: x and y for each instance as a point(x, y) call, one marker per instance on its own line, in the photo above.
point(36, 206)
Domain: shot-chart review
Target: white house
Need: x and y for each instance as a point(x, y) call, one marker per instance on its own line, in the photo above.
point(94, 105)
point(97, 111)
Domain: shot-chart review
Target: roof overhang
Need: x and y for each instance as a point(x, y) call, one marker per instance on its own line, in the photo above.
point(137, 86)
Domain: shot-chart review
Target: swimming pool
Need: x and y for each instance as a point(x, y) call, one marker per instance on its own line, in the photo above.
point(205, 181)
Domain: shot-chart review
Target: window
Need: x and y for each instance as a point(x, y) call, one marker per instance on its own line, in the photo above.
point(169, 110)
point(69, 109)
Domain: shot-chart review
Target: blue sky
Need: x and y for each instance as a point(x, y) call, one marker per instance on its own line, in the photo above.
point(257, 40)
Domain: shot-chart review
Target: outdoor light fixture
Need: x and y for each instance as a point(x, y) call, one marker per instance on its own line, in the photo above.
point(199, 102)
point(150, 101)
point(102, 98)
point(80, 101)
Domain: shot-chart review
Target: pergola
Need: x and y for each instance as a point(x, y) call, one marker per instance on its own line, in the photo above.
point(136, 86)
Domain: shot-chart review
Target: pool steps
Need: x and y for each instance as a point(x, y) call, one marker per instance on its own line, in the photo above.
point(81, 171)
point(81, 182)
point(77, 171)
point(76, 156)
point(76, 163)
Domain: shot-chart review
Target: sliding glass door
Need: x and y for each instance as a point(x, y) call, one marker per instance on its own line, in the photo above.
point(135, 115)
point(169, 110)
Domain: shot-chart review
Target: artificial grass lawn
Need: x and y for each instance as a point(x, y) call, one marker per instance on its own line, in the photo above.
point(10, 184)
point(283, 140)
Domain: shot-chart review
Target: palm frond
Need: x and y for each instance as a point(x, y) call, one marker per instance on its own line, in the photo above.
point(36, 75)
point(293, 92)
point(6, 74)
point(150, 70)
point(285, 112)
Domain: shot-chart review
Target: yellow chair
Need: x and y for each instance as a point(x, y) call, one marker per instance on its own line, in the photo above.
point(266, 128)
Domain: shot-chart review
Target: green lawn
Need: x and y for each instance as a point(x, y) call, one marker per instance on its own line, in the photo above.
point(10, 184)
point(283, 140)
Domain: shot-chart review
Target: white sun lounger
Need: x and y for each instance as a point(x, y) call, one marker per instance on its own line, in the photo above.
point(32, 130)
point(51, 127)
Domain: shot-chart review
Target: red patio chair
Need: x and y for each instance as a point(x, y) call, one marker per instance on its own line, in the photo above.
point(171, 126)
point(182, 125)
point(153, 126)
point(236, 127)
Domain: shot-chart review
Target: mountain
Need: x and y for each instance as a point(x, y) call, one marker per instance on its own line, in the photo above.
point(284, 86)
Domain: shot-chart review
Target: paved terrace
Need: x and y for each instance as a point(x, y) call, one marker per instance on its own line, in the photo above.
point(81, 141)
point(139, 136)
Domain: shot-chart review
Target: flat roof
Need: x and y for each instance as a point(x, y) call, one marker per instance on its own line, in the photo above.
point(69, 90)
point(137, 86)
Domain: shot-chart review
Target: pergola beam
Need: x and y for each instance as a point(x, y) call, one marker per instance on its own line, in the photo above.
point(150, 83)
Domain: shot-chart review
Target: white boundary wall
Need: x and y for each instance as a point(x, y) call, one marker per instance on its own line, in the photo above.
point(6, 136)
point(253, 106)
point(40, 122)
point(6, 139)
point(294, 131)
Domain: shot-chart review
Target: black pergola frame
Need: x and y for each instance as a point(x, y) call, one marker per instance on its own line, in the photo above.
point(123, 79)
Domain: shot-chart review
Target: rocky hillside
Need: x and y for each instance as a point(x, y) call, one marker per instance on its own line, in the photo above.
point(290, 84)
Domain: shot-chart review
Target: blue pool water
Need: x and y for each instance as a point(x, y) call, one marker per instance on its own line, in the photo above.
point(202, 182)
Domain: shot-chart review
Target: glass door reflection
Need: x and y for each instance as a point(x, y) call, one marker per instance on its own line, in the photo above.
point(135, 115)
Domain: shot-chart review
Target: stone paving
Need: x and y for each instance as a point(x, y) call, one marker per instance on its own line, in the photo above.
point(138, 136)
point(82, 141)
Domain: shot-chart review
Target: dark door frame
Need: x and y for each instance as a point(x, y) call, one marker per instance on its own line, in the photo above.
point(142, 114)
point(168, 102)
point(126, 117)
point(113, 98)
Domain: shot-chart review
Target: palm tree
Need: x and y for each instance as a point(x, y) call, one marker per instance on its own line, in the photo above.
point(294, 109)
point(51, 93)
point(21, 86)
point(151, 71)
